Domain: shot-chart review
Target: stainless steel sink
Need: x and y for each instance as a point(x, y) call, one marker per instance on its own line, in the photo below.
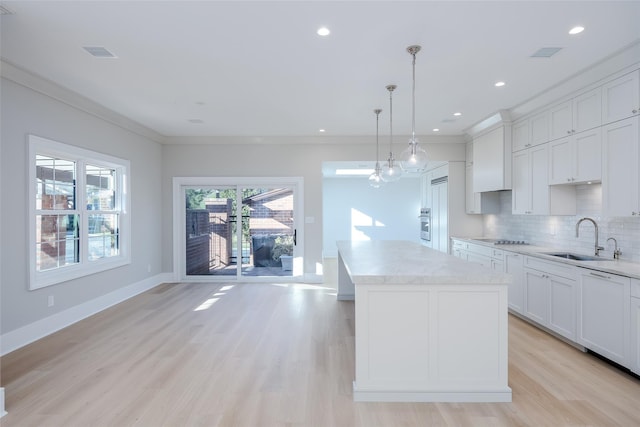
point(576, 257)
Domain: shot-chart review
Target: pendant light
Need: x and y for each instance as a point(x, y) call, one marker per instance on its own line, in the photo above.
point(414, 157)
point(375, 179)
point(391, 171)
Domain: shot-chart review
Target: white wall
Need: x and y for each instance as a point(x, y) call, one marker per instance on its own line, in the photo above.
point(352, 210)
point(27, 108)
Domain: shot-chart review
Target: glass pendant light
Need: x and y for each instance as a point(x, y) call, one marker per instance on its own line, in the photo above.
point(391, 171)
point(375, 179)
point(414, 158)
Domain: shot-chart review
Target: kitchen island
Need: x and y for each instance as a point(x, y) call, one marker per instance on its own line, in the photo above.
point(429, 327)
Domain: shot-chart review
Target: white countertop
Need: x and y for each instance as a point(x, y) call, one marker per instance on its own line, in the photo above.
point(395, 261)
point(607, 265)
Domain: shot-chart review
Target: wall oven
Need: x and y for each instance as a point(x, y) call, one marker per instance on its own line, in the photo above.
point(425, 224)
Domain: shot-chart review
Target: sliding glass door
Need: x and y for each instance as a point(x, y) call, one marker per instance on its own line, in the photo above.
point(238, 230)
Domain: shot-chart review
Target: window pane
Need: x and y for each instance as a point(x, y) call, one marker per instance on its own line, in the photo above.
point(57, 241)
point(100, 188)
point(55, 182)
point(104, 236)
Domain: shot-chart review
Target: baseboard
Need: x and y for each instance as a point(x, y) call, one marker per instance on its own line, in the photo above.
point(20, 337)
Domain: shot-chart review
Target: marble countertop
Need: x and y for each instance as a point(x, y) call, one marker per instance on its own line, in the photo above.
point(395, 261)
point(606, 265)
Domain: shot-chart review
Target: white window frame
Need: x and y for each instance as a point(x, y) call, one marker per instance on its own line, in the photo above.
point(82, 157)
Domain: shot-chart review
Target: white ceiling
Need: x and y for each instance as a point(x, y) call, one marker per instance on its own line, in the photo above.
point(259, 68)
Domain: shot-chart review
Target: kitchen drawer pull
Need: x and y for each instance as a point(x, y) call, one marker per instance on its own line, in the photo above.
point(600, 275)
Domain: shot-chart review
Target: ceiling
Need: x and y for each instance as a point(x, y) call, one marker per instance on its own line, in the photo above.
point(247, 69)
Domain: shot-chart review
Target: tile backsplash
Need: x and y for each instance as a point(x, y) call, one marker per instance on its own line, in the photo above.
point(560, 231)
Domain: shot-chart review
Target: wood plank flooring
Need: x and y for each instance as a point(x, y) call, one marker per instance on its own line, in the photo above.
point(274, 355)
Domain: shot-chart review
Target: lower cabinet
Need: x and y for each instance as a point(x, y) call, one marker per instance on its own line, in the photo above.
point(634, 362)
point(514, 266)
point(550, 296)
point(603, 314)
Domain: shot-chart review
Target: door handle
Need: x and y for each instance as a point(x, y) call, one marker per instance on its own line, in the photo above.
point(295, 236)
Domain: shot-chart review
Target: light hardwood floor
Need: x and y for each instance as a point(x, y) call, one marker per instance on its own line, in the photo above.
point(274, 355)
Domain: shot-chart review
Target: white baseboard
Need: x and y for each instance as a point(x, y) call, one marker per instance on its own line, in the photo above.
point(20, 337)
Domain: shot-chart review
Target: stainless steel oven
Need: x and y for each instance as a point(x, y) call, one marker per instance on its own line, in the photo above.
point(425, 224)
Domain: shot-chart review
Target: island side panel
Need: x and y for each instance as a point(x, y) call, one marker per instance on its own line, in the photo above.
point(346, 291)
point(431, 343)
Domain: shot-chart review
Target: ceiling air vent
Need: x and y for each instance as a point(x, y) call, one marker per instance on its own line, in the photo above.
point(99, 52)
point(546, 52)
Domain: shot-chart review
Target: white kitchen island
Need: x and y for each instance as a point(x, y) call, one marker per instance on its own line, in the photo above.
point(429, 327)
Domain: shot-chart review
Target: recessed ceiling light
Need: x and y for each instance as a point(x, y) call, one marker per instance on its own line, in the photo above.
point(321, 130)
point(436, 130)
point(457, 114)
point(323, 31)
point(576, 30)
point(499, 84)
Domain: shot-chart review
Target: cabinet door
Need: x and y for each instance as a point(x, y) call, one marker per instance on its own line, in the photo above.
point(470, 196)
point(587, 163)
point(635, 335)
point(513, 265)
point(621, 98)
point(620, 161)
point(520, 195)
point(536, 299)
point(539, 180)
point(587, 111)
point(603, 314)
point(560, 120)
point(539, 128)
point(562, 306)
point(561, 161)
point(520, 135)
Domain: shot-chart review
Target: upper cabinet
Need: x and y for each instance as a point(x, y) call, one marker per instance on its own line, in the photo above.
point(492, 160)
point(581, 113)
point(620, 159)
point(576, 159)
point(621, 98)
point(531, 131)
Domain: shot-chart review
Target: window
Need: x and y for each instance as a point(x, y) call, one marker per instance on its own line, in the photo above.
point(78, 212)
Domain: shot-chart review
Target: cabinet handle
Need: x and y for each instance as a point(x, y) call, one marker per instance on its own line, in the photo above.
point(600, 275)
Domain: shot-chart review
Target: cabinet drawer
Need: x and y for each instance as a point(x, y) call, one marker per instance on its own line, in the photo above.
point(635, 288)
point(488, 251)
point(550, 267)
point(460, 245)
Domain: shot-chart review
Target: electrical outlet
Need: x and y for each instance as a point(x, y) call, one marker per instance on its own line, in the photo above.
point(50, 302)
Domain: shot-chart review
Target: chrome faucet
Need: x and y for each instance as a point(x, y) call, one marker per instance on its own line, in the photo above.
point(598, 248)
point(616, 252)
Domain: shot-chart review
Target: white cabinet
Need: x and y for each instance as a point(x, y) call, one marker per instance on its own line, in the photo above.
point(576, 159)
point(531, 193)
point(634, 359)
point(492, 160)
point(621, 98)
point(620, 159)
point(581, 113)
point(513, 265)
point(531, 131)
point(603, 314)
point(550, 295)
